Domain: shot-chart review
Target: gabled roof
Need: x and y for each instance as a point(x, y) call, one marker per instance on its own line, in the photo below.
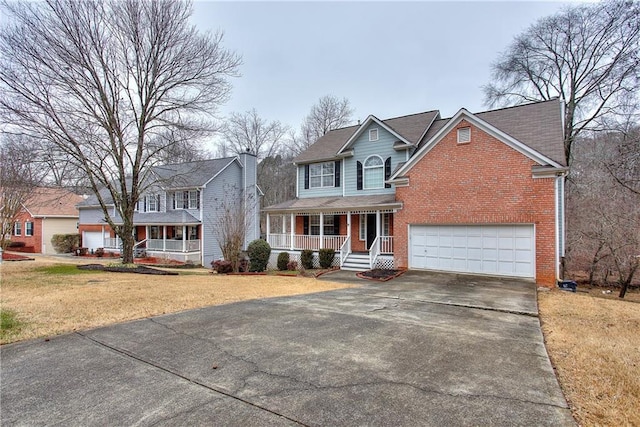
point(533, 129)
point(537, 125)
point(408, 128)
point(52, 202)
point(191, 174)
point(175, 176)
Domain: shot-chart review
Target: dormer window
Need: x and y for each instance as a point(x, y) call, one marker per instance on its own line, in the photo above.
point(373, 134)
point(464, 135)
point(153, 203)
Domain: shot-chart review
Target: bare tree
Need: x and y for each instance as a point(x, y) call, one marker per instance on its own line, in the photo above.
point(18, 179)
point(587, 55)
point(231, 220)
point(109, 83)
point(603, 216)
point(327, 114)
point(249, 131)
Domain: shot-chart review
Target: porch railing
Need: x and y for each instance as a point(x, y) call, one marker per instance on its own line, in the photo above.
point(344, 250)
point(112, 242)
point(374, 251)
point(170, 245)
point(386, 244)
point(283, 241)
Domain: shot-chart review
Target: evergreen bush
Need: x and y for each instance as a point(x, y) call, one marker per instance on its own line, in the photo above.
point(259, 252)
point(65, 243)
point(306, 258)
point(283, 260)
point(326, 257)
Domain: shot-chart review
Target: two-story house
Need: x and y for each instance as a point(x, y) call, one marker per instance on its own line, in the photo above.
point(179, 216)
point(474, 193)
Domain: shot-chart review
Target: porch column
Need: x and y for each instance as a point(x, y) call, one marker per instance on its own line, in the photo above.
point(184, 238)
point(268, 226)
point(321, 230)
point(349, 230)
point(164, 238)
point(292, 221)
point(103, 236)
point(378, 224)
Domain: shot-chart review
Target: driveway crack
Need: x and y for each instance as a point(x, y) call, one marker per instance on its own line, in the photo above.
point(190, 380)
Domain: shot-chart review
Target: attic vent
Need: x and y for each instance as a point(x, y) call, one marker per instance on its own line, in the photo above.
point(373, 134)
point(464, 135)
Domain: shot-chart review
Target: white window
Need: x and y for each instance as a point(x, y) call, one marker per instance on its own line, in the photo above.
point(363, 227)
point(153, 203)
point(464, 135)
point(28, 228)
point(194, 199)
point(373, 134)
point(186, 199)
point(314, 225)
point(322, 175)
point(329, 225)
point(373, 173)
point(385, 224)
point(17, 229)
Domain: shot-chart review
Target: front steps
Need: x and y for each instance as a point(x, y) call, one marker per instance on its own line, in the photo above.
point(356, 262)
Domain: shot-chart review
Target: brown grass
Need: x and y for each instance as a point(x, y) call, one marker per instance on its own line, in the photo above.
point(594, 343)
point(52, 304)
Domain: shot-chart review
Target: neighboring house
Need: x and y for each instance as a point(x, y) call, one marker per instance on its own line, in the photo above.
point(474, 193)
point(177, 217)
point(46, 212)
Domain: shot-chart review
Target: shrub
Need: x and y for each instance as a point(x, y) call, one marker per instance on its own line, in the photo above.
point(100, 252)
point(306, 258)
point(326, 257)
point(17, 244)
point(64, 243)
point(259, 252)
point(283, 260)
point(292, 265)
point(222, 266)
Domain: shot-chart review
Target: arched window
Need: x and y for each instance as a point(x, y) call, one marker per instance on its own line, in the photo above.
point(373, 172)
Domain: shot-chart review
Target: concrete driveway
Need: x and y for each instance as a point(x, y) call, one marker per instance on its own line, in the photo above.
point(424, 349)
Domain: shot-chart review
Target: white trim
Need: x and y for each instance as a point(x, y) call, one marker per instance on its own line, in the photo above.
point(363, 126)
point(435, 117)
point(482, 125)
point(377, 134)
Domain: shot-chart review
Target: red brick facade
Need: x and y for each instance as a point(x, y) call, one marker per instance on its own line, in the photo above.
point(35, 240)
point(481, 182)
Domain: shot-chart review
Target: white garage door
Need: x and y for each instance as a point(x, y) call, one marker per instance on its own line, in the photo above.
point(92, 239)
point(505, 250)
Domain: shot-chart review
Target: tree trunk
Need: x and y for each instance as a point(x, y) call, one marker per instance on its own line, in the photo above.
point(126, 234)
point(627, 281)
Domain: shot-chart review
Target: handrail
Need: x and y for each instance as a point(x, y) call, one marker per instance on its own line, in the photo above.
point(139, 243)
point(344, 250)
point(374, 251)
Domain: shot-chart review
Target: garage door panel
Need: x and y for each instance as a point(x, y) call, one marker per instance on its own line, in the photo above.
point(486, 249)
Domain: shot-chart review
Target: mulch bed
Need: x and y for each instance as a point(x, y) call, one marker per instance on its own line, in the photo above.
point(139, 269)
point(379, 274)
point(15, 257)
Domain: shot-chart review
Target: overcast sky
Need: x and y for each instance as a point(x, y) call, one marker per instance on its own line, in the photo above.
point(388, 58)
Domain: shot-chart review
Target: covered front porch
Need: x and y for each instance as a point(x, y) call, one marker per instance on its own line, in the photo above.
point(361, 235)
point(180, 242)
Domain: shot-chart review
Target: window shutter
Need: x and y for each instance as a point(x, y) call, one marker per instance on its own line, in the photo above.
point(336, 171)
point(306, 177)
point(359, 176)
point(198, 199)
point(387, 171)
point(305, 225)
point(336, 225)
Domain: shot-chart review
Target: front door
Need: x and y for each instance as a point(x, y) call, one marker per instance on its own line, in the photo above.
point(371, 229)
